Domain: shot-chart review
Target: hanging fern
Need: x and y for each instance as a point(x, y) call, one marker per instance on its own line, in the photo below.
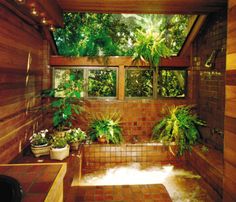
point(179, 125)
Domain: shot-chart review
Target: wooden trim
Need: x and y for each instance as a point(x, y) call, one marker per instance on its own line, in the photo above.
point(121, 82)
point(115, 61)
point(192, 35)
point(50, 39)
point(143, 6)
point(57, 185)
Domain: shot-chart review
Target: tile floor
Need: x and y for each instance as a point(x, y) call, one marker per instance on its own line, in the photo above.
point(147, 193)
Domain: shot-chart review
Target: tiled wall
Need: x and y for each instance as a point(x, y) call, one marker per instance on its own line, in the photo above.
point(210, 91)
point(138, 116)
point(100, 156)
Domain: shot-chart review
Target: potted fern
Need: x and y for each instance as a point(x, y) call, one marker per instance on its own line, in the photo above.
point(40, 143)
point(150, 46)
point(59, 148)
point(179, 126)
point(106, 128)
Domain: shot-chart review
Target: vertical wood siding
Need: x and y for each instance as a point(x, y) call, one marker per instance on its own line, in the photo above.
point(230, 108)
point(20, 86)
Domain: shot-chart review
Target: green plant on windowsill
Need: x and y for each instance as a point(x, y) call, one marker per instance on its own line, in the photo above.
point(106, 128)
point(180, 125)
point(66, 108)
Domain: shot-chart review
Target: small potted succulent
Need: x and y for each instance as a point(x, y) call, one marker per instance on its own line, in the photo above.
point(40, 143)
point(59, 148)
point(75, 137)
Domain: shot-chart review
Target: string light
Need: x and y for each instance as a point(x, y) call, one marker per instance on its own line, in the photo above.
point(44, 21)
point(52, 28)
point(20, 1)
point(34, 12)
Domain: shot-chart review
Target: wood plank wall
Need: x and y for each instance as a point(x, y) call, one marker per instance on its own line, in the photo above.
point(20, 83)
point(230, 108)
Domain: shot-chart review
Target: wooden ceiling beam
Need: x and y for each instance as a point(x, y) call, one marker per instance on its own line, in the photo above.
point(192, 35)
point(53, 11)
point(143, 6)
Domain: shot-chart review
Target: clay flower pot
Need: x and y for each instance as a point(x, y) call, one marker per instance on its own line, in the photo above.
point(102, 140)
point(74, 146)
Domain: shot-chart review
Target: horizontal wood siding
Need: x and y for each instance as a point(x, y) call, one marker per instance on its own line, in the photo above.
point(20, 85)
point(230, 108)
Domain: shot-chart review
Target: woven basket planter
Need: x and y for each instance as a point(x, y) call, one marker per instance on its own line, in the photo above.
point(41, 150)
point(59, 153)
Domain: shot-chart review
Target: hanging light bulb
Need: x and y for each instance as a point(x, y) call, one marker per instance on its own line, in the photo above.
point(44, 21)
point(20, 1)
point(52, 28)
point(34, 12)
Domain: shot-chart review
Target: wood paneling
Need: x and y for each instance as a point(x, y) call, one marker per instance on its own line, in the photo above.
point(143, 6)
point(230, 110)
point(22, 73)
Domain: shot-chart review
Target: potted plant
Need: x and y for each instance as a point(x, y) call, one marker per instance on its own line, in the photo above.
point(59, 148)
point(179, 126)
point(106, 129)
point(40, 143)
point(75, 137)
point(66, 107)
point(150, 46)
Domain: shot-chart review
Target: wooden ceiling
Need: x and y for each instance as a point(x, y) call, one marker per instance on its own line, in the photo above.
point(143, 6)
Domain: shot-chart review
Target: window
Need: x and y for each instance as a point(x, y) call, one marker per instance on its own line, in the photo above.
point(96, 81)
point(172, 83)
point(139, 82)
point(102, 83)
point(63, 75)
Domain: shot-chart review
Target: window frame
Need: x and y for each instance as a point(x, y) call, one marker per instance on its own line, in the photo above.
point(86, 70)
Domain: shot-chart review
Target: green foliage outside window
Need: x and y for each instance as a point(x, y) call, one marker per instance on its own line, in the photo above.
point(102, 83)
point(91, 34)
point(63, 75)
point(172, 83)
point(139, 83)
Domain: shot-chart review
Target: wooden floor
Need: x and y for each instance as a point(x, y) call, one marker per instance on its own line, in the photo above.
point(180, 188)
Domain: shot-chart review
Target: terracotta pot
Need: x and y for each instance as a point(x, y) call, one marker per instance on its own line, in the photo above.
point(102, 140)
point(40, 150)
point(59, 153)
point(74, 146)
point(60, 133)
